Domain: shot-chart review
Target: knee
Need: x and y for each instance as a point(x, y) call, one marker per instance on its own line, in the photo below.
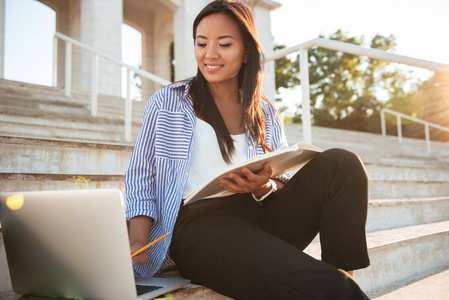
point(341, 154)
point(346, 159)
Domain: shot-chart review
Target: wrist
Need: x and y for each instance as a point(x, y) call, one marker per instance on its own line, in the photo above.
point(263, 189)
point(271, 189)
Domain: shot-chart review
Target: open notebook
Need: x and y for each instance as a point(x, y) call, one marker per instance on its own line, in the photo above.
point(73, 244)
point(282, 161)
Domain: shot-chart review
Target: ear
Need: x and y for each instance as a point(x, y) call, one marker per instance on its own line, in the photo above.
point(246, 55)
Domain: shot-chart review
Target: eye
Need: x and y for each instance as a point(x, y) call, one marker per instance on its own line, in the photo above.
point(200, 45)
point(225, 45)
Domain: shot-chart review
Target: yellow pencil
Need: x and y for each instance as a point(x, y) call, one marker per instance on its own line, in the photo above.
point(149, 245)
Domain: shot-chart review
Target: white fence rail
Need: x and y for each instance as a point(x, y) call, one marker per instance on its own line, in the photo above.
point(304, 72)
point(399, 125)
point(94, 83)
point(346, 48)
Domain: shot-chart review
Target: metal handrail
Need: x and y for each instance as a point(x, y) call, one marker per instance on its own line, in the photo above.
point(94, 89)
point(347, 48)
point(304, 71)
point(401, 115)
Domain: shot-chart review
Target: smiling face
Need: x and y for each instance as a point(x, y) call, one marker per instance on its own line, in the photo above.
point(219, 49)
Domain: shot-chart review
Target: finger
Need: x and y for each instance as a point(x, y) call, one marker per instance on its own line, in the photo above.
point(238, 179)
point(248, 174)
point(231, 187)
point(267, 168)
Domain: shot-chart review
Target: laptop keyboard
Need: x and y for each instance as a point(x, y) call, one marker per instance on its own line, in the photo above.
point(143, 289)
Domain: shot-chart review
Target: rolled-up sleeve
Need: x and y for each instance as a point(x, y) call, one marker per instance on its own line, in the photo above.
point(140, 190)
point(278, 138)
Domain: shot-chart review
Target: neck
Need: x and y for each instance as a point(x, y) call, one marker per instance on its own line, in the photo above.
point(228, 93)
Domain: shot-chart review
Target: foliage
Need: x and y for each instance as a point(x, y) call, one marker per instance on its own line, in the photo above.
point(345, 88)
point(286, 72)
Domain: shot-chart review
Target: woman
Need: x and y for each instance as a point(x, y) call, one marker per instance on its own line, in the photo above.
point(248, 245)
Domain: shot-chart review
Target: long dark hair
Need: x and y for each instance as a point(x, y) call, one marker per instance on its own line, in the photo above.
point(249, 80)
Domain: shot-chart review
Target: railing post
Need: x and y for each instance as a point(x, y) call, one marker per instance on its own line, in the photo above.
point(55, 61)
point(382, 123)
point(398, 118)
point(128, 107)
point(426, 128)
point(68, 68)
point(94, 86)
point(306, 118)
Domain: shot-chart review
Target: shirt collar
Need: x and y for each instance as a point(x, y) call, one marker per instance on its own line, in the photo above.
point(183, 86)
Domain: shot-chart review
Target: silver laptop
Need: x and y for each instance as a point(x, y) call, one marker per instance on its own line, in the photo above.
point(73, 244)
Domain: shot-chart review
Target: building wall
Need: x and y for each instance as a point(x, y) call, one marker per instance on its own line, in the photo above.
point(184, 51)
point(2, 37)
point(261, 12)
point(97, 23)
point(101, 22)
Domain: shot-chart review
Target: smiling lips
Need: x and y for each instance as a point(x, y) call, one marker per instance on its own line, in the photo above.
point(213, 67)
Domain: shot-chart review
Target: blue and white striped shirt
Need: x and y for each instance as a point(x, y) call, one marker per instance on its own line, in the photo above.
point(160, 163)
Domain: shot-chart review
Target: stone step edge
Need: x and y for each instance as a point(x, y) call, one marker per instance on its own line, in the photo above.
point(101, 128)
point(65, 117)
point(18, 139)
point(105, 105)
point(409, 181)
point(389, 165)
point(64, 177)
point(399, 201)
point(73, 143)
point(15, 102)
point(377, 239)
point(52, 176)
point(317, 130)
point(100, 177)
point(57, 91)
point(406, 282)
point(61, 137)
point(406, 233)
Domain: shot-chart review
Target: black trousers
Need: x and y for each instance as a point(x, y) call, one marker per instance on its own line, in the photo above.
point(246, 251)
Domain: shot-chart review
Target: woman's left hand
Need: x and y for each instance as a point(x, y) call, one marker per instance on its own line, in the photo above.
point(257, 183)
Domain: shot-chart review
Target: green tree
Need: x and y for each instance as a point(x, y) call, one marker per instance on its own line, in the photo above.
point(286, 72)
point(344, 88)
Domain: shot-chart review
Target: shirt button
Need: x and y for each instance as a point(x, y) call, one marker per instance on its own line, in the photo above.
point(250, 147)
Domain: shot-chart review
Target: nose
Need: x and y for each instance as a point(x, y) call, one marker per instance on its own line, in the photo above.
point(211, 52)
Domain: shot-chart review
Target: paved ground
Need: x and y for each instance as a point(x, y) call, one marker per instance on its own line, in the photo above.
point(432, 285)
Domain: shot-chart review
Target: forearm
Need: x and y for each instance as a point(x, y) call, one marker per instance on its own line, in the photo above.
point(139, 229)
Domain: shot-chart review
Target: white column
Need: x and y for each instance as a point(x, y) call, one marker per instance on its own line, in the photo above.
point(261, 11)
point(101, 22)
point(183, 26)
point(2, 36)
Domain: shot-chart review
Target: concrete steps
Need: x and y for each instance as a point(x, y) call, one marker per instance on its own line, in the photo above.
point(13, 182)
point(381, 171)
point(80, 157)
point(49, 141)
point(386, 214)
point(431, 284)
point(399, 253)
point(33, 110)
point(30, 155)
point(59, 127)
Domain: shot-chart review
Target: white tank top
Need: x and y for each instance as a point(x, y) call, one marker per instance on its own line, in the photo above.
point(207, 160)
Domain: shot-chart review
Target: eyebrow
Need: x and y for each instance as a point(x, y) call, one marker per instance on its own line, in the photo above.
point(220, 37)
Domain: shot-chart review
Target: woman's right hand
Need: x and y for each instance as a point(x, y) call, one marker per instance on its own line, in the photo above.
point(142, 258)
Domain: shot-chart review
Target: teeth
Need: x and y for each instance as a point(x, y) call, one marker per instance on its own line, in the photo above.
point(213, 67)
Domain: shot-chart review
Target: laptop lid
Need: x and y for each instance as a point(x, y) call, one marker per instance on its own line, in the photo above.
point(69, 244)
